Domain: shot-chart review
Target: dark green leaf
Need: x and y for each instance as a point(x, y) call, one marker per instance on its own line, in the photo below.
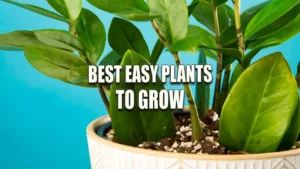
point(120, 6)
point(91, 33)
point(141, 125)
point(157, 51)
point(230, 52)
point(293, 131)
point(268, 15)
point(38, 10)
point(52, 62)
point(203, 13)
point(80, 76)
point(17, 40)
point(266, 95)
point(113, 58)
point(172, 25)
point(59, 39)
point(220, 2)
point(68, 8)
point(202, 90)
point(196, 36)
point(278, 24)
point(123, 35)
point(230, 13)
point(258, 47)
point(228, 36)
point(235, 75)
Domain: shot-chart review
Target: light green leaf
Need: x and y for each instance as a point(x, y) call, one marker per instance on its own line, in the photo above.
point(137, 15)
point(141, 125)
point(172, 26)
point(121, 6)
point(91, 33)
point(52, 62)
point(123, 35)
point(112, 58)
point(203, 13)
point(268, 15)
point(38, 10)
point(293, 131)
point(68, 8)
point(202, 90)
point(266, 95)
point(159, 45)
point(196, 36)
point(59, 39)
point(17, 40)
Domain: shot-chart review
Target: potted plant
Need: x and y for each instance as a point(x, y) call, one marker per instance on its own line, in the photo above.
point(258, 103)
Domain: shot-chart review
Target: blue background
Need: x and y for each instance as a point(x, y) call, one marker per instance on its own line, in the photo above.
point(42, 120)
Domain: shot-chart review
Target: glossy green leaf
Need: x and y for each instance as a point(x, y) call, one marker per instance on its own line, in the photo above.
point(17, 40)
point(59, 39)
point(80, 76)
point(250, 13)
point(123, 35)
point(202, 90)
point(137, 15)
point(120, 6)
point(172, 26)
point(157, 51)
point(230, 13)
point(282, 35)
point(112, 58)
point(268, 15)
point(91, 33)
point(141, 125)
point(38, 10)
point(235, 75)
point(203, 13)
point(266, 95)
point(293, 131)
point(68, 8)
point(52, 62)
point(196, 36)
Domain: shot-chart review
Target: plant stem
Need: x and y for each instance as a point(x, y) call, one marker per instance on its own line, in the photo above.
point(216, 103)
point(197, 132)
point(238, 26)
point(72, 30)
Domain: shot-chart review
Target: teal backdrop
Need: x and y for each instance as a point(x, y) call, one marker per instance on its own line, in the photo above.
point(42, 120)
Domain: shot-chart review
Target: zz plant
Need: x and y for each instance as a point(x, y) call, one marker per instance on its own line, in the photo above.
point(258, 102)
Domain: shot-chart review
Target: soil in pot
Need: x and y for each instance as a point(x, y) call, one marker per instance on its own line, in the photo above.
point(181, 142)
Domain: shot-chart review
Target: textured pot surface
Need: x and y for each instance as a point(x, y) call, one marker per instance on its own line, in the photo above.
point(108, 155)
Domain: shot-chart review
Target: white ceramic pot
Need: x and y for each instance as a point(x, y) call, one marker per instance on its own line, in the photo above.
point(105, 154)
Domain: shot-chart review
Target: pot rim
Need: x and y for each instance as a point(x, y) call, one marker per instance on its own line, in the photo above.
point(94, 126)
